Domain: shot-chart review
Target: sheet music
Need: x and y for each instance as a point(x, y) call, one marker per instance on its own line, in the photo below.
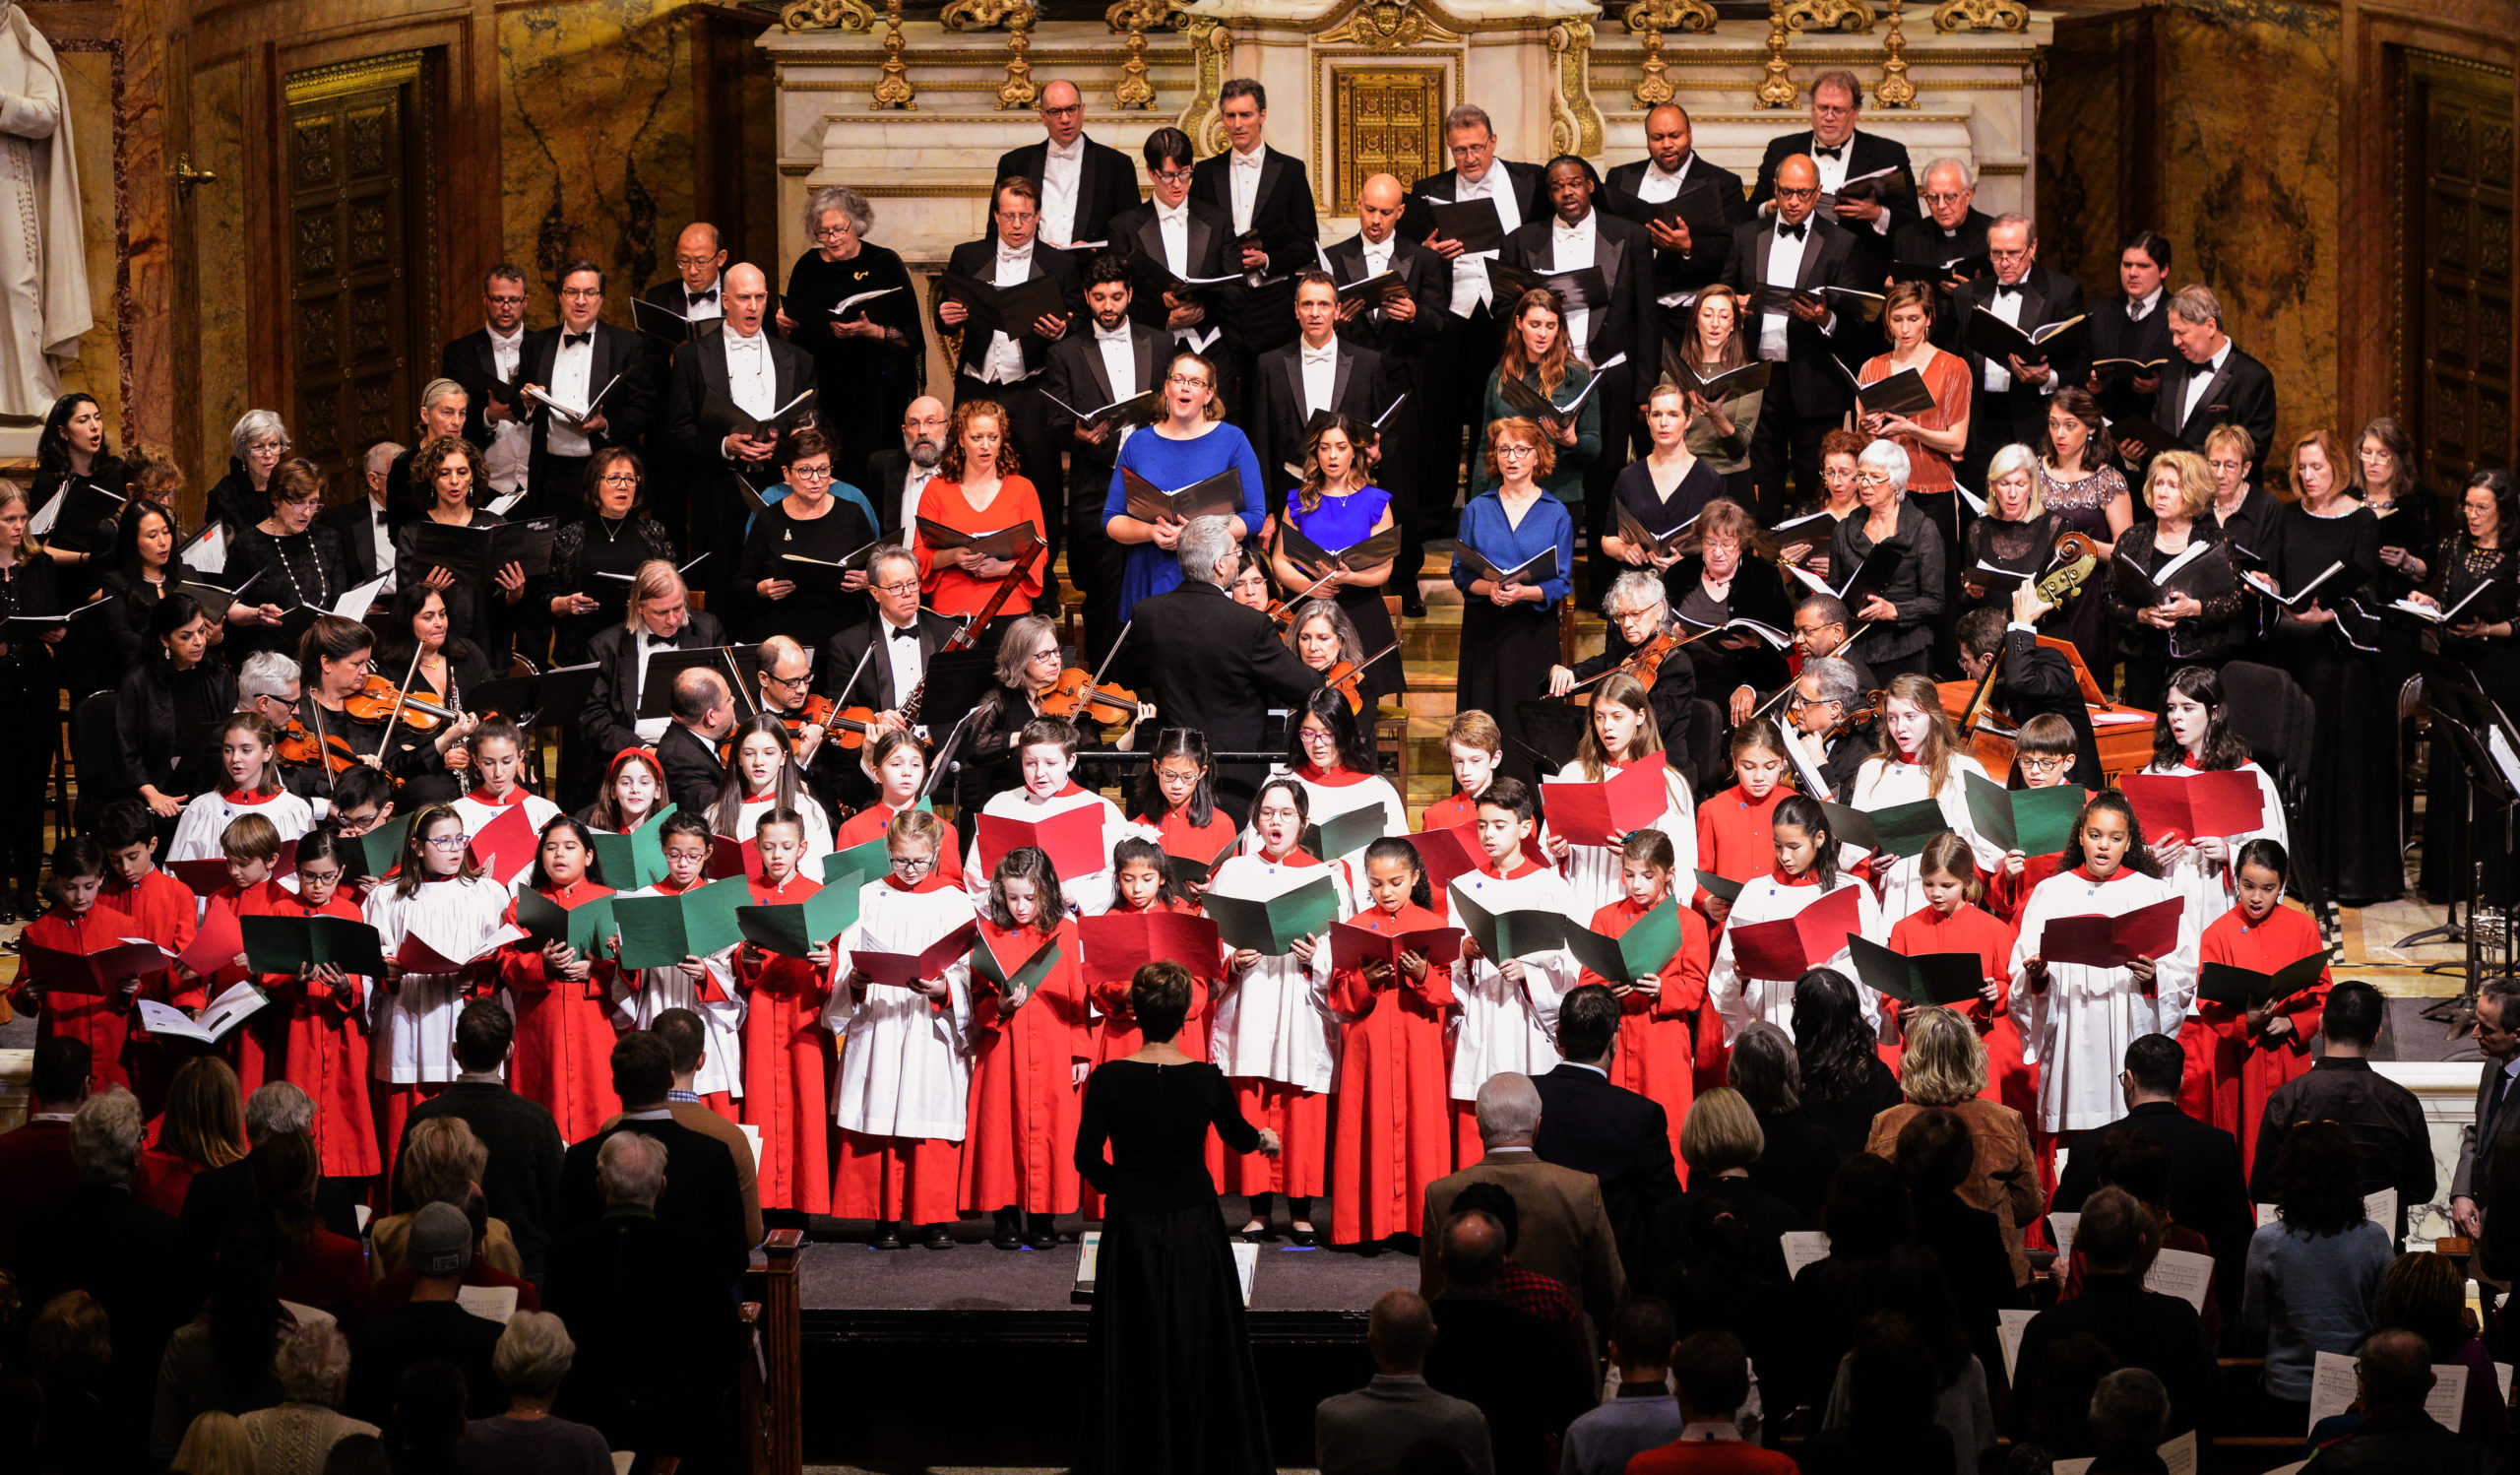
point(2182, 1273)
point(2062, 1228)
point(1804, 1247)
point(2009, 1325)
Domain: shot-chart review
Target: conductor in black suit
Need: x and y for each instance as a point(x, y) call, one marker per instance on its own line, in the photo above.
point(1318, 373)
point(1684, 262)
point(2133, 325)
point(581, 361)
point(1117, 358)
point(2008, 400)
point(743, 369)
point(1211, 664)
point(490, 358)
point(1840, 150)
point(700, 1192)
point(1258, 189)
point(1083, 184)
point(1007, 367)
point(1475, 335)
point(1578, 236)
point(1952, 229)
point(2210, 382)
point(1593, 1126)
point(2034, 679)
point(1410, 332)
point(1809, 397)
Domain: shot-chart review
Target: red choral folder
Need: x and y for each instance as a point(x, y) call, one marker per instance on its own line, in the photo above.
point(221, 938)
point(1590, 814)
point(1791, 946)
point(108, 955)
point(1117, 944)
point(2112, 941)
point(1071, 838)
point(1447, 853)
point(505, 847)
point(204, 877)
point(2183, 806)
point(1353, 946)
point(730, 856)
point(902, 969)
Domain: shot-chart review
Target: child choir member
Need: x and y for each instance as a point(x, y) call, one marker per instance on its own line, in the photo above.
point(2193, 734)
point(164, 908)
point(1391, 1131)
point(1271, 1032)
point(1805, 871)
point(2043, 755)
point(1031, 1050)
point(104, 1021)
point(249, 761)
point(633, 795)
point(326, 1052)
point(439, 892)
point(905, 1082)
point(763, 779)
point(2258, 1046)
point(250, 845)
point(560, 998)
point(1733, 839)
point(704, 985)
point(2081, 1018)
point(1656, 1052)
point(1950, 921)
point(1508, 1005)
point(498, 770)
point(1621, 733)
point(899, 766)
point(1142, 882)
point(1176, 798)
point(1333, 760)
point(1045, 754)
point(1476, 746)
point(786, 1048)
point(1919, 758)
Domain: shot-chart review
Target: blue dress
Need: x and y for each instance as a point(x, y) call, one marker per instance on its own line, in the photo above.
point(1342, 522)
point(1506, 653)
point(1173, 465)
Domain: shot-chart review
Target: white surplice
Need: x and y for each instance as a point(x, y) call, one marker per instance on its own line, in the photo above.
point(2076, 1031)
point(1741, 1002)
point(414, 1019)
point(1886, 784)
point(639, 998)
point(905, 1061)
point(1592, 871)
point(1273, 1022)
point(1089, 894)
point(1502, 1027)
point(2207, 885)
point(817, 828)
point(207, 818)
point(1328, 802)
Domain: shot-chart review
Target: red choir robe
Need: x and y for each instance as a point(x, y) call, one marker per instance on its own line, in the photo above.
point(166, 910)
point(2245, 1067)
point(105, 1021)
point(1019, 1150)
point(1115, 1029)
point(787, 1064)
point(1448, 814)
point(1391, 1129)
point(1734, 839)
point(1656, 1050)
point(870, 823)
point(564, 1030)
point(259, 1046)
point(2010, 1080)
point(2007, 894)
point(325, 1054)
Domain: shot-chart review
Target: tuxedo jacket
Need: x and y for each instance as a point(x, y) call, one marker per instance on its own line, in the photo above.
point(2020, 413)
point(611, 711)
point(1408, 349)
point(1618, 1136)
point(1922, 240)
point(978, 259)
point(1105, 182)
point(836, 662)
point(670, 295)
point(2114, 336)
point(700, 377)
point(352, 523)
point(2241, 393)
point(2037, 679)
point(1829, 259)
point(1211, 664)
point(1209, 228)
point(1282, 211)
point(690, 768)
point(628, 409)
point(1865, 154)
point(1631, 324)
point(1275, 417)
point(887, 474)
point(1079, 377)
point(469, 362)
point(1708, 259)
point(1531, 197)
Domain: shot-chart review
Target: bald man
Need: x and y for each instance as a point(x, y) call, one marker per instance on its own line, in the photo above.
point(1083, 184)
point(1410, 329)
point(734, 396)
point(695, 293)
point(1806, 397)
point(1649, 190)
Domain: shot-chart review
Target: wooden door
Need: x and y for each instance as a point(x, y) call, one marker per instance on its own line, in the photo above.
point(2456, 179)
point(360, 294)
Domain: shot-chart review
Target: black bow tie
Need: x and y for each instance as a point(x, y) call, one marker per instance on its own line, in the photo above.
point(698, 297)
point(909, 635)
point(1794, 230)
point(1825, 151)
point(572, 339)
point(2002, 288)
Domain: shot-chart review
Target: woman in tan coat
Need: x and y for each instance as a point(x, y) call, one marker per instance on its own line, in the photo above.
point(1945, 1065)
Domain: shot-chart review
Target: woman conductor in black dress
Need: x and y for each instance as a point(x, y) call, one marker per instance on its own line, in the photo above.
point(1173, 1384)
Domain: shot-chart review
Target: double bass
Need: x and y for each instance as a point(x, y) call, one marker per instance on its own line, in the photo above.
point(1985, 733)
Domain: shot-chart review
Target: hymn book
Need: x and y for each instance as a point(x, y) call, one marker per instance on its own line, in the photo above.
point(2102, 941)
point(793, 930)
point(1540, 568)
point(585, 929)
point(659, 931)
point(1116, 945)
point(70, 518)
point(1142, 407)
point(1519, 394)
point(1008, 543)
point(1219, 495)
point(2186, 805)
point(1591, 813)
point(2002, 341)
point(1639, 952)
point(903, 970)
point(1473, 223)
point(1355, 557)
point(2032, 821)
point(1270, 925)
point(2248, 989)
point(229, 1010)
point(1787, 947)
point(290, 945)
point(422, 955)
point(1353, 946)
point(575, 415)
point(1011, 310)
point(1917, 980)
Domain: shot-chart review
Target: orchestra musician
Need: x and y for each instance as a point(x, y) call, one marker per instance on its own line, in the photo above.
point(659, 618)
point(2033, 679)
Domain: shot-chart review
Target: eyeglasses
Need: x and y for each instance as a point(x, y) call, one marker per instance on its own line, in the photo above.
point(1515, 452)
point(582, 291)
point(1186, 381)
point(694, 262)
point(1171, 176)
point(1812, 193)
point(1052, 654)
point(1871, 479)
point(2046, 765)
point(515, 302)
point(619, 478)
point(798, 680)
point(809, 474)
point(835, 232)
point(1944, 197)
point(912, 862)
point(1072, 110)
point(1012, 218)
point(906, 586)
point(448, 842)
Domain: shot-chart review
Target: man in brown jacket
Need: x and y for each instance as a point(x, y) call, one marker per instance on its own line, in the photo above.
point(1564, 1230)
point(684, 1035)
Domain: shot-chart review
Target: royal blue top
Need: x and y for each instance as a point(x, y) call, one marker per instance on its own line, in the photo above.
point(1173, 465)
point(1546, 523)
point(1342, 520)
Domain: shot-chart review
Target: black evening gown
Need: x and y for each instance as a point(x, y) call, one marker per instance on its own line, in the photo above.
point(33, 686)
point(2024, 549)
point(2495, 664)
point(2351, 833)
point(475, 611)
point(2410, 526)
point(301, 568)
point(1175, 1390)
point(2208, 639)
point(865, 385)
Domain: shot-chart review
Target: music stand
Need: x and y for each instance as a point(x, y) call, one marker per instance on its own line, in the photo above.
point(2490, 786)
point(655, 690)
point(1551, 731)
point(2452, 692)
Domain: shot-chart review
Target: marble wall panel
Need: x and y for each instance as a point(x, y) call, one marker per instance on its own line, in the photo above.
point(219, 257)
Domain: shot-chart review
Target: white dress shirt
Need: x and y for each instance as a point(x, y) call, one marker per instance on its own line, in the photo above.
point(2199, 376)
point(1243, 175)
point(1570, 250)
point(912, 485)
point(1654, 186)
point(1833, 177)
point(1377, 261)
point(1119, 352)
point(2005, 305)
point(650, 729)
point(903, 655)
point(710, 306)
point(2142, 307)
point(1320, 374)
point(511, 443)
point(1004, 362)
point(1785, 269)
point(383, 541)
point(751, 380)
point(572, 369)
point(1059, 171)
point(1470, 285)
point(1173, 226)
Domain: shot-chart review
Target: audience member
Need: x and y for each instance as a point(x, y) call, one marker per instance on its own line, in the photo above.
point(2207, 1190)
point(1934, 1155)
point(2138, 1327)
point(2313, 1274)
point(1723, 1283)
point(1527, 1381)
point(214, 1445)
point(1798, 1157)
point(2426, 1293)
point(431, 1324)
point(1711, 1381)
point(688, 1039)
point(1565, 1230)
point(1874, 1265)
point(443, 1162)
point(2129, 1415)
point(311, 1265)
point(1882, 1418)
point(1619, 1136)
point(221, 1201)
point(2141, 1166)
point(521, 1185)
point(2383, 1118)
point(1642, 1415)
point(1845, 1085)
point(700, 1194)
point(2391, 1383)
point(1720, 1141)
point(532, 1358)
point(1368, 1431)
point(222, 1359)
point(296, 1437)
point(1943, 1066)
point(357, 1454)
point(75, 1417)
point(201, 1127)
point(428, 1418)
point(35, 1158)
point(2059, 1419)
point(1524, 1289)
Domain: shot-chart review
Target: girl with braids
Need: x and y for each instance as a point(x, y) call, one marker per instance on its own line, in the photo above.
point(1029, 1057)
point(1392, 1128)
point(560, 998)
point(1919, 758)
point(1805, 871)
point(2080, 1018)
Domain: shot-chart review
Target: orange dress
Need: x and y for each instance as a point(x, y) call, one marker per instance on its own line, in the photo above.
point(1656, 1050)
point(1391, 1127)
point(1946, 376)
point(951, 590)
point(2244, 1068)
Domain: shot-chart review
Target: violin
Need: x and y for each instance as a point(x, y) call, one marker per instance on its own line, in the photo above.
point(1645, 663)
point(846, 728)
point(1077, 695)
point(1282, 614)
point(377, 699)
point(1346, 678)
point(299, 748)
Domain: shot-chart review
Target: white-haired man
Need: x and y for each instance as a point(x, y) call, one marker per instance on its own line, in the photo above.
point(1563, 1230)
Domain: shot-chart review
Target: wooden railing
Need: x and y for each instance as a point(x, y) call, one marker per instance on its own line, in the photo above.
point(772, 1406)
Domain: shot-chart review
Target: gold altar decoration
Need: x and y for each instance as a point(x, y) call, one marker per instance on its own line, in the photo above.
point(1981, 15)
point(1775, 80)
point(1854, 17)
point(1136, 17)
point(827, 15)
point(1017, 91)
point(892, 79)
point(1575, 124)
point(1652, 18)
point(1385, 120)
point(1387, 26)
point(1210, 44)
point(1894, 89)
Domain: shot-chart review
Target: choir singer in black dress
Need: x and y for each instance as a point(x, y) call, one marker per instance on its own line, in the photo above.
point(596, 554)
point(878, 346)
point(1174, 1386)
point(1911, 597)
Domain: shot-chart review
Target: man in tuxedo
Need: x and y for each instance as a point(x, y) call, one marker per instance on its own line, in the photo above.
point(696, 294)
point(2034, 679)
point(1211, 664)
point(693, 294)
point(1120, 358)
point(1577, 236)
point(1825, 692)
point(490, 359)
point(581, 361)
point(1820, 628)
point(704, 713)
point(2210, 382)
point(1188, 236)
point(900, 476)
point(1682, 261)
point(1318, 373)
point(1008, 367)
point(1810, 398)
point(2132, 325)
point(2008, 400)
point(366, 525)
point(2497, 1036)
point(700, 1194)
point(740, 370)
point(1408, 332)
point(879, 664)
point(611, 721)
point(1839, 152)
point(1478, 335)
point(1952, 229)
point(1261, 190)
point(1593, 1126)
point(1083, 184)
point(2207, 1193)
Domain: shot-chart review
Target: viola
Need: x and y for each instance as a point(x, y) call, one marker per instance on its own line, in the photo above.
point(1645, 663)
point(299, 748)
point(1347, 677)
point(846, 728)
point(378, 699)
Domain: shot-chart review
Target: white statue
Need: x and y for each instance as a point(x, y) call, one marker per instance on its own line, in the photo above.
point(43, 260)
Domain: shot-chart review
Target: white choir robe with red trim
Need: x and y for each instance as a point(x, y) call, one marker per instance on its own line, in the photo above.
point(637, 1001)
point(412, 1051)
point(2077, 1029)
point(1270, 1033)
point(1090, 893)
point(1504, 1027)
point(1327, 796)
point(207, 818)
point(1886, 783)
point(2207, 886)
point(1592, 871)
point(1741, 1002)
point(904, 1080)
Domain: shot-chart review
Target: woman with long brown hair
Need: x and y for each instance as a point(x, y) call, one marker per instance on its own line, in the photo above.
point(1919, 758)
point(203, 1127)
point(448, 468)
point(1537, 353)
point(1719, 429)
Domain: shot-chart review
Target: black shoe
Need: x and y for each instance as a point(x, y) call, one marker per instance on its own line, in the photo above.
point(1008, 1233)
point(8, 909)
point(1043, 1233)
point(1372, 1248)
point(1300, 1236)
point(1412, 603)
point(936, 1236)
point(886, 1238)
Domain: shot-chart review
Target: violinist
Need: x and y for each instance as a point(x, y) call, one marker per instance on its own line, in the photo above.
point(783, 689)
point(1727, 578)
point(1821, 712)
point(333, 658)
point(165, 701)
point(1029, 663)
point(449, 666)
point(1321, 637)
point(904, 638)
point(1337, 509)
point(1639, 619)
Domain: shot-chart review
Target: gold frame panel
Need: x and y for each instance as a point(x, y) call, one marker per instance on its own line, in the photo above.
point(1362, 146)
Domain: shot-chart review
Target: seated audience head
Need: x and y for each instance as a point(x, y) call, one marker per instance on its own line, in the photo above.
point(1400, 1330)
point(313, 1364)
point(2395, 1374)
point(1945, 1062)
point(2137, 1162)
point(1721, 1134)
point(642, 1071)
point(1766, 1070)
point(107, 1136)
point(277, 1108)
point(1159, 998)
point(533, 1356)
point(1642, 1332)
point(2154, 1065)
point(443, 1162)
point(2356, 1014)
point(215, 1443)
point(1934, 1152)
point(1508, 1108)
point(1891, 1377)
point(1710, 1375)
point(1867, 1211)
point(2319, 1180)
point(2426, 1293)
point(630, 1170)
point(428, 1409)
point(1472, 1252)
point(2060, 1415)
point(357, 1454)
point(64, 1068)
point(2117, 1237)
point(1838, 1048)
point(70, 1342)
point(205, 1117)
point(1588, 1024)
point(2129, 1414)
point(685, 1037)
point(1496, 1201)
point(483, 1035)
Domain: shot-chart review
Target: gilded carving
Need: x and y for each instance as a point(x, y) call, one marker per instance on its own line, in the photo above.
point(893, 86)
point(1652, 18)
point(367, 143)
point(1575, 124)
point(1385, 120)
point(367, 233)
point(316, 254)
point(1135, 17)
point(1017, 15)
point(1211, 43)
point(1775, 80)
point(1981, 15)
point(1855, 17)
point(827, 15)
point(317, 332)
point(1388, 25)
point(371, 314)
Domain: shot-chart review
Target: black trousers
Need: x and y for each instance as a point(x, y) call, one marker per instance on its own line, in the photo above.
point(1094, 561)
point(1472, 349)
point(27, 746)
point(1786, 443)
